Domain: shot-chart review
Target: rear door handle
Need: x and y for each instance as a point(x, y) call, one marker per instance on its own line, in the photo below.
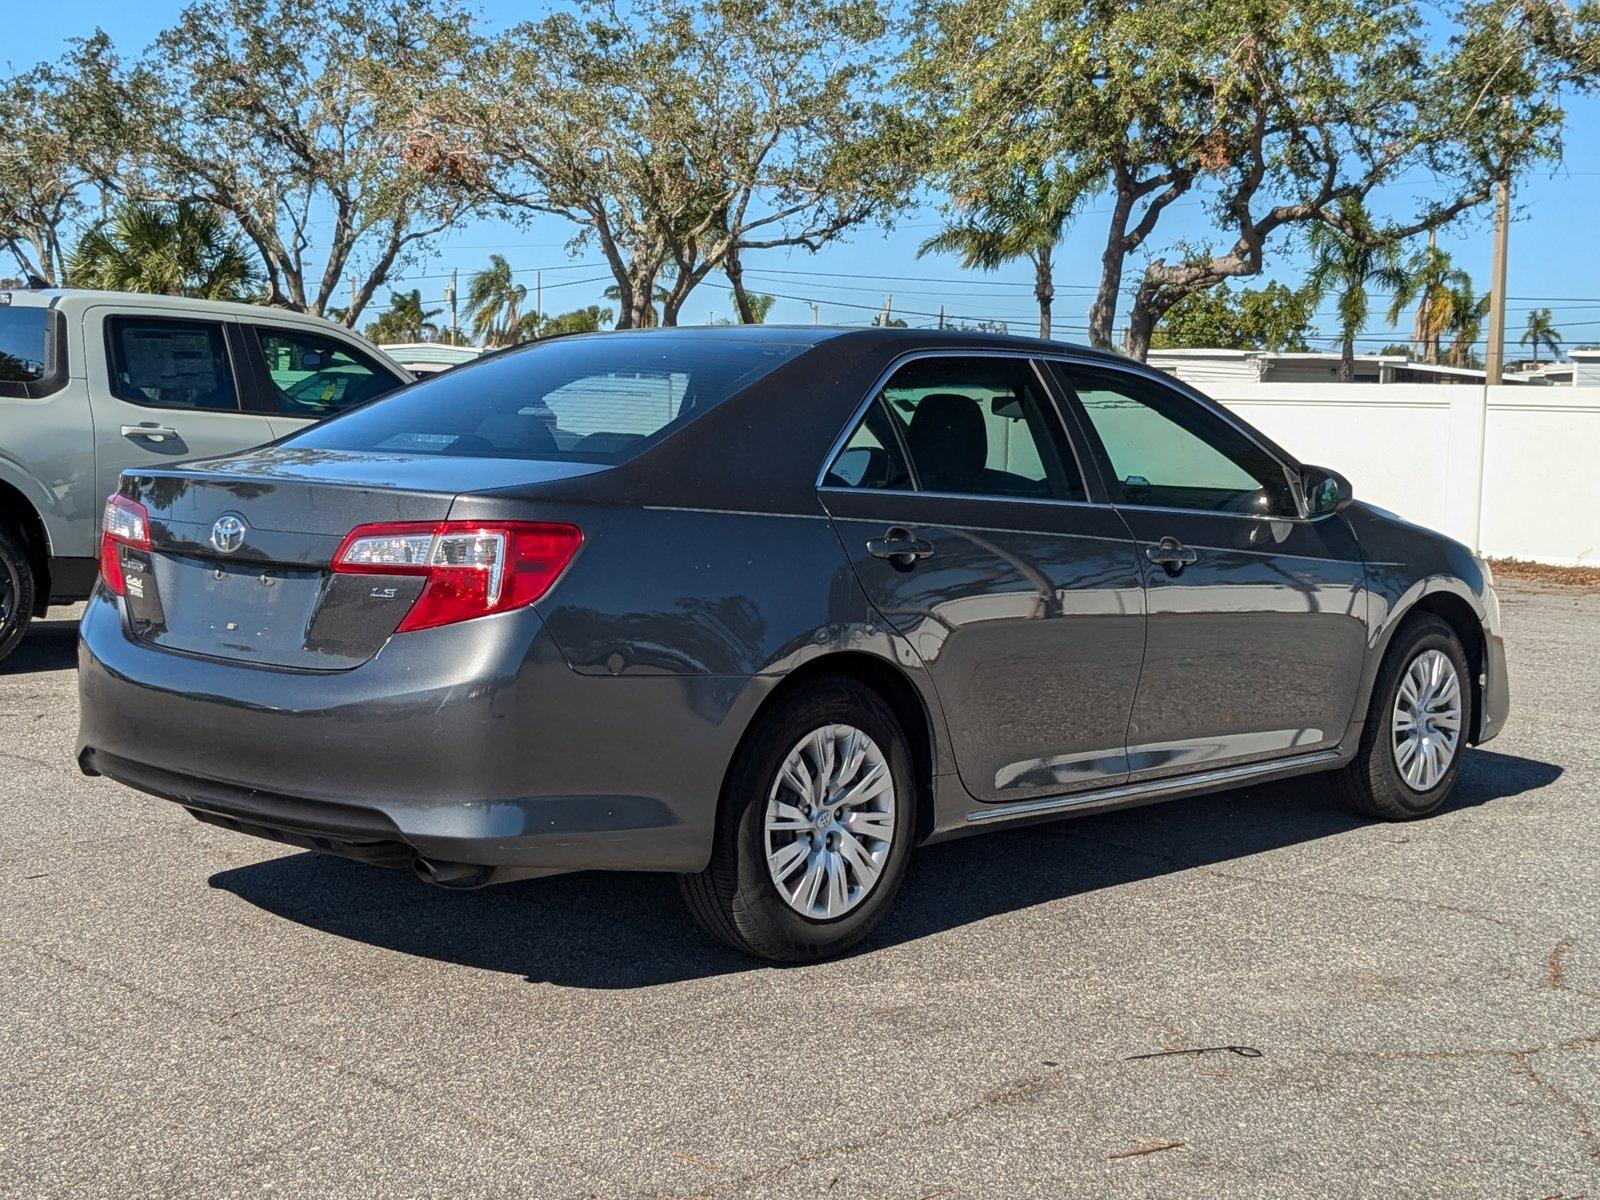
point(899, 547)
point(1171, 554)
point(154, 433)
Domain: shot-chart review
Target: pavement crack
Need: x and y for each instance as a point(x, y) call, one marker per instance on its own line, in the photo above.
point(1583, 1120)
point(1001, 1095)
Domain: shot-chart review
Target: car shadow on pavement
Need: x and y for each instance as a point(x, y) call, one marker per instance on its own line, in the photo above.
point(46, 646)
point(627, 931)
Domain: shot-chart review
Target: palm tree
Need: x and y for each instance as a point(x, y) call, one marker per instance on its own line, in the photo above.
point(1430, 280)
point(1468, 313)
point(406, 320)
point(1541, 331)
point(493, 298)
point(183, 249)
point(760, 305)
point(1344, 262)
point(1027, 218)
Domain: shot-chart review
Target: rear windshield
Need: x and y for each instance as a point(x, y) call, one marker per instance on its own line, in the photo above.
point(24, 346)
point(596, 399)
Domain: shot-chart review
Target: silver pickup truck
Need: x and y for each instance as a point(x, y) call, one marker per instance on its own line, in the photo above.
point(94, 383)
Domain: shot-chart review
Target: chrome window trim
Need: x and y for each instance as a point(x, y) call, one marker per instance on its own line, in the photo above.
point(1033, 358)
point(987, 497)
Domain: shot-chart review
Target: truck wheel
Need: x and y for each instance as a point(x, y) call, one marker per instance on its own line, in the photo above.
point(16, 592)
point(1416, 730)
point(815, 828)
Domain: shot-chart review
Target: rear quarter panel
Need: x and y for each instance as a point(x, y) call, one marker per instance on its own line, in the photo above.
point(47, 454)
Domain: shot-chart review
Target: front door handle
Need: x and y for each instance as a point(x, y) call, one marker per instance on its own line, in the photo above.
point(899, 547)
point(154, 433)
point(1171, 554)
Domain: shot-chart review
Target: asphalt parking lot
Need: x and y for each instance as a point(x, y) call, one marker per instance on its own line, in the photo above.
point(190, 1012)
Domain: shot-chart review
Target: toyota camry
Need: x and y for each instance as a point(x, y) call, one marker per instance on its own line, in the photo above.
point(767, 608)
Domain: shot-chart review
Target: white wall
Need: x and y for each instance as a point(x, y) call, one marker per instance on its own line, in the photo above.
point(1420, 450)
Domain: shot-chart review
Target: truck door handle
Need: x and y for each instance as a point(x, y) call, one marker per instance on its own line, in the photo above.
point(899, 547)
point(154, 433)
point(1171, 554)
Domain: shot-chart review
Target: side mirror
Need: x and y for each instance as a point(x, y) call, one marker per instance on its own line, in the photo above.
point(1326, 491)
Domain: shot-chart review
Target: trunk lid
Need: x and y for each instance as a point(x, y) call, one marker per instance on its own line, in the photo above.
point(241, 549)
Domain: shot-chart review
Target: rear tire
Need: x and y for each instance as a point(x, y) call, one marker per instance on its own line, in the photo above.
point(1375, 782)
point(16, 592)
point(762, 832)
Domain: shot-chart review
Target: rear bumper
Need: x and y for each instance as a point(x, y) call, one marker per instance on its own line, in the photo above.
point(472, 743)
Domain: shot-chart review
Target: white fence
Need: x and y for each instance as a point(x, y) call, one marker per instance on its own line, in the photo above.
point(1512, 471)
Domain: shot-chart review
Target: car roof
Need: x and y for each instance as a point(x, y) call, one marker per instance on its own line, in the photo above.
point(891, 338)
point(77, 299)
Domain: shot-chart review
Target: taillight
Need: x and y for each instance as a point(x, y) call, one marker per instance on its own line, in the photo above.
point(126, 523)
point(472, 568)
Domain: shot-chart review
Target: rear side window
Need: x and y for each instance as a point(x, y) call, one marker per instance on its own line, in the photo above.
point(974, 426)
point(871, 458)
point(315, 376)
point(586, 399)
point(24, 344)
point(171, 364)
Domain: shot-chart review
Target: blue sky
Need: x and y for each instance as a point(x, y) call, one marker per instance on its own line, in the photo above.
point(1555, 257)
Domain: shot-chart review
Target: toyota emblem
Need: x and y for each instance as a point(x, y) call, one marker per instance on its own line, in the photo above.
point(227, 535)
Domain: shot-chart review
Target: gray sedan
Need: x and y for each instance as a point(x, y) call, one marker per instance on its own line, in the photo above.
point(767, 608)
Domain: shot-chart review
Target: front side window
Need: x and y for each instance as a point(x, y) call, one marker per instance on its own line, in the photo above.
point(977, 426)
point(600, 399)
point(315, 376)
point(171, 364)
point(1166, 451)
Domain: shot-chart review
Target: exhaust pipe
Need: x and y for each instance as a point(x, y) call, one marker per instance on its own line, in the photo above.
point(466, 877)
point(461, 876)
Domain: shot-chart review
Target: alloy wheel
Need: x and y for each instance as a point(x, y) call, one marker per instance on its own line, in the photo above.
point(829, 821)
point(1425, 725)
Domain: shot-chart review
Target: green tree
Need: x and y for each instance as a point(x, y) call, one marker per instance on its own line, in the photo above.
point(61, 143)
point(1432, 282)
point(1541, 331)
point(298, 119)
point(493, 298)
point(759, 306)
point(1468, 312)
point(182, 249)
point(1025, 217)
point(1344, 260)
point(405, 320)
point(1268, 115)
point(681, 135)
point(1275, 318)
point(592, 319)
point(649, 316)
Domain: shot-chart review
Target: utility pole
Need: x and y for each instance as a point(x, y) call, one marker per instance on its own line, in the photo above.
point(1494, 358)
point(450, 297)
point(538, 302)
point(941, 316)
point(888, 311)
point(816, 312)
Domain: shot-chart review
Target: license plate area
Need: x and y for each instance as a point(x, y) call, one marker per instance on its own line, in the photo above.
point(234, 610)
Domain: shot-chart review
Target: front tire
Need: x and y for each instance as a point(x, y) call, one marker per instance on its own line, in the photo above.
point(1415, 735)
point(16, 593)
point(814, 828)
